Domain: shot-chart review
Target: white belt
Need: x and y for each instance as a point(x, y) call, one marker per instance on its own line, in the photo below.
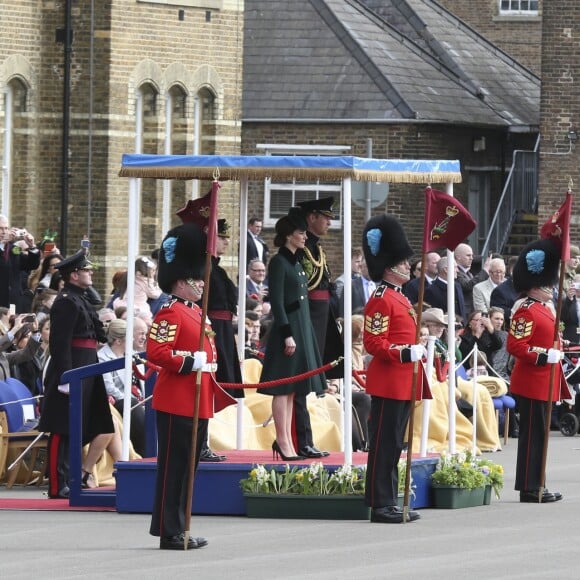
point(209, 368)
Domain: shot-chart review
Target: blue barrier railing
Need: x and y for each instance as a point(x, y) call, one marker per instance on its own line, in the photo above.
point(74, 377)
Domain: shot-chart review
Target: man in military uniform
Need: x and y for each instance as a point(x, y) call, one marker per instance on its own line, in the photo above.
point(318, 214)
point(222, 305)
point(75, 332)
point(530, 341)
point(389, 336)
point(172, 345)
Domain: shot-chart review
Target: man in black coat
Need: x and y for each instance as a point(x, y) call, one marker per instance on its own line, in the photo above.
point(14, 261)
point(466, 279)
point(504, 296)
point(75, 331)
point(436, 293)
point(411, 288)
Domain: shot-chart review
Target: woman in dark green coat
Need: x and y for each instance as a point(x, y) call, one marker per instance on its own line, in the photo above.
point(291, 347)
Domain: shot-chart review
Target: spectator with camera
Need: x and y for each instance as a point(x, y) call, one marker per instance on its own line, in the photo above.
point(18, 255)
point(571, 312)
point(23, 324)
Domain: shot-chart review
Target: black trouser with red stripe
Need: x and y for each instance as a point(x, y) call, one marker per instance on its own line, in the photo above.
point(530, 444)
point(388, 421)
point(58, 465)
point(173, 445)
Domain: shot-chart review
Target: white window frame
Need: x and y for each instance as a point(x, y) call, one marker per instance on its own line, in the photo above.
point(293, 187)
point(519, 11)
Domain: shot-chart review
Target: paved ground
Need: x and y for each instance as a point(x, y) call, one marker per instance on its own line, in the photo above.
point(504, 540)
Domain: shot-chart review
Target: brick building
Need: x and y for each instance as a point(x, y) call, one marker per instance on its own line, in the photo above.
point(144, 75)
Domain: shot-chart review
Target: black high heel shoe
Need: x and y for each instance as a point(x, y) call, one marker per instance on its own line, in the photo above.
point(277, 452)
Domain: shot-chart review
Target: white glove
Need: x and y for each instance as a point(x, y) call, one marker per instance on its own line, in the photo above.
point(199, 359)
point(554, 356)
point(417, 352)
point(64, 389)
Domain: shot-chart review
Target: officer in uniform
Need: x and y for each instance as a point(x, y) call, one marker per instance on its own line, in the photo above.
point(389, 335)
point(530, 341)
point(222, 305)
point(318, 214)
point(173, 344)
point(75, 332)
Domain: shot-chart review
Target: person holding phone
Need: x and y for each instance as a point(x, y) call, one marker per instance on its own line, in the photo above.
point(8, 339)
point(571, 312)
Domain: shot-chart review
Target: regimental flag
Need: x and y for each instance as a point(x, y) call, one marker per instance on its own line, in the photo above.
point(447, 222)
point(203, 212)
point(557, 227)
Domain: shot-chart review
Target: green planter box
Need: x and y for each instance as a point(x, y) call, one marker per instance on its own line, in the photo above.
point(487, 495)
point(319, 507)
point(452, 497)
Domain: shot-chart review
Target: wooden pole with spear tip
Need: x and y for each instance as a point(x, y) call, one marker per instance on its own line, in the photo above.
point(211, 235)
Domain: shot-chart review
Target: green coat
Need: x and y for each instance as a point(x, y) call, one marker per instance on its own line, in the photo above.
point(287, 289)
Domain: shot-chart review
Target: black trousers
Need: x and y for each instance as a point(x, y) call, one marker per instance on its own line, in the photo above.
point(302, 426)
point(387, 425)
point(530, 444)
point(58, 463)
point(174, 444)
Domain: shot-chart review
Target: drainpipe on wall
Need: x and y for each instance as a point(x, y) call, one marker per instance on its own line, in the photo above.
point(66, 125)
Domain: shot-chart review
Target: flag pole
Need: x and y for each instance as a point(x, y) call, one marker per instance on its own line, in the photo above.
point(562, 232)
point(548, 419)
point(416, 364)
point(204, 307)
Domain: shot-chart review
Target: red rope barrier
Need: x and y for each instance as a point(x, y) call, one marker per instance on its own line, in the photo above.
point(285, 380)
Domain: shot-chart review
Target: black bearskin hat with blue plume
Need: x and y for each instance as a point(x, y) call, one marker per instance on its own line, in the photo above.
point(181, 256)
point(384, 245)
point(537, 266)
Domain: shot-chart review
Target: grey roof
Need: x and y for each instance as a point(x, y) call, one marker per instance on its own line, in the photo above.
point(337, 60)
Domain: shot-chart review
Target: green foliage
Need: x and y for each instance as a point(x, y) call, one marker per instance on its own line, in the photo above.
point(312, 480)
point(467, 471)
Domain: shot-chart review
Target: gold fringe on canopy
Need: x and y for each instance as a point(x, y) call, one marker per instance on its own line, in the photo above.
point(287, 173)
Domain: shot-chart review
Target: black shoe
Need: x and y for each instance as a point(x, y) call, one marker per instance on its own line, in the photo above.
point(208, 456)
point(533, 497)
point(312, 453)
point(514, 434)
point(556, 494)
point(392, 515)
point(176, 543)
point(277, 452)
point(63, 493)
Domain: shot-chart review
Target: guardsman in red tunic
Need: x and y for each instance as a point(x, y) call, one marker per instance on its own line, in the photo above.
point(530, 341)
point(389, 336)
point(173, 344)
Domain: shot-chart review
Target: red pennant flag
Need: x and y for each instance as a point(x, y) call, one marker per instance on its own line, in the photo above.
point(557, 227)
point(447, 222)
point(203, 212)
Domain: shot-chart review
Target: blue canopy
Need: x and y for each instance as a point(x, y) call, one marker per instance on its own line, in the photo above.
point(326, 168)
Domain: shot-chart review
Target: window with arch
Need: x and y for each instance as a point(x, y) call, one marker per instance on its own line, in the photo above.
point(15, 176)
point(149, 141)
point(207, 118)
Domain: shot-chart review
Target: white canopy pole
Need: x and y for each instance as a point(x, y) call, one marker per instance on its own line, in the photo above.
point(130, 296)
point(451, 340)
point(474, 386)
point(242, 259)
point(427, 402)
point(347, 325)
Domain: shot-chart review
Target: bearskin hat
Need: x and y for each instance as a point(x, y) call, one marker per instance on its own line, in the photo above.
point(384, 244)
point(181, 256)
point(537, 266)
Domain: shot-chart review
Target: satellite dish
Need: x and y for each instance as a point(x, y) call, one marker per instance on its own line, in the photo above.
point(378, 193)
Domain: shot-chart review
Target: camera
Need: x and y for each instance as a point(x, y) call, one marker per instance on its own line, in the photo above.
point(29, 318)
point(577, 285)
point(19, 234)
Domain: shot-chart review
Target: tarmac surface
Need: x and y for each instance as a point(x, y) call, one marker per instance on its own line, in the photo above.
point(504, 540)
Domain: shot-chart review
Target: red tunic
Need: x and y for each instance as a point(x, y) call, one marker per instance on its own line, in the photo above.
point(174, 336)
point(390, 323)
point(532, 334)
